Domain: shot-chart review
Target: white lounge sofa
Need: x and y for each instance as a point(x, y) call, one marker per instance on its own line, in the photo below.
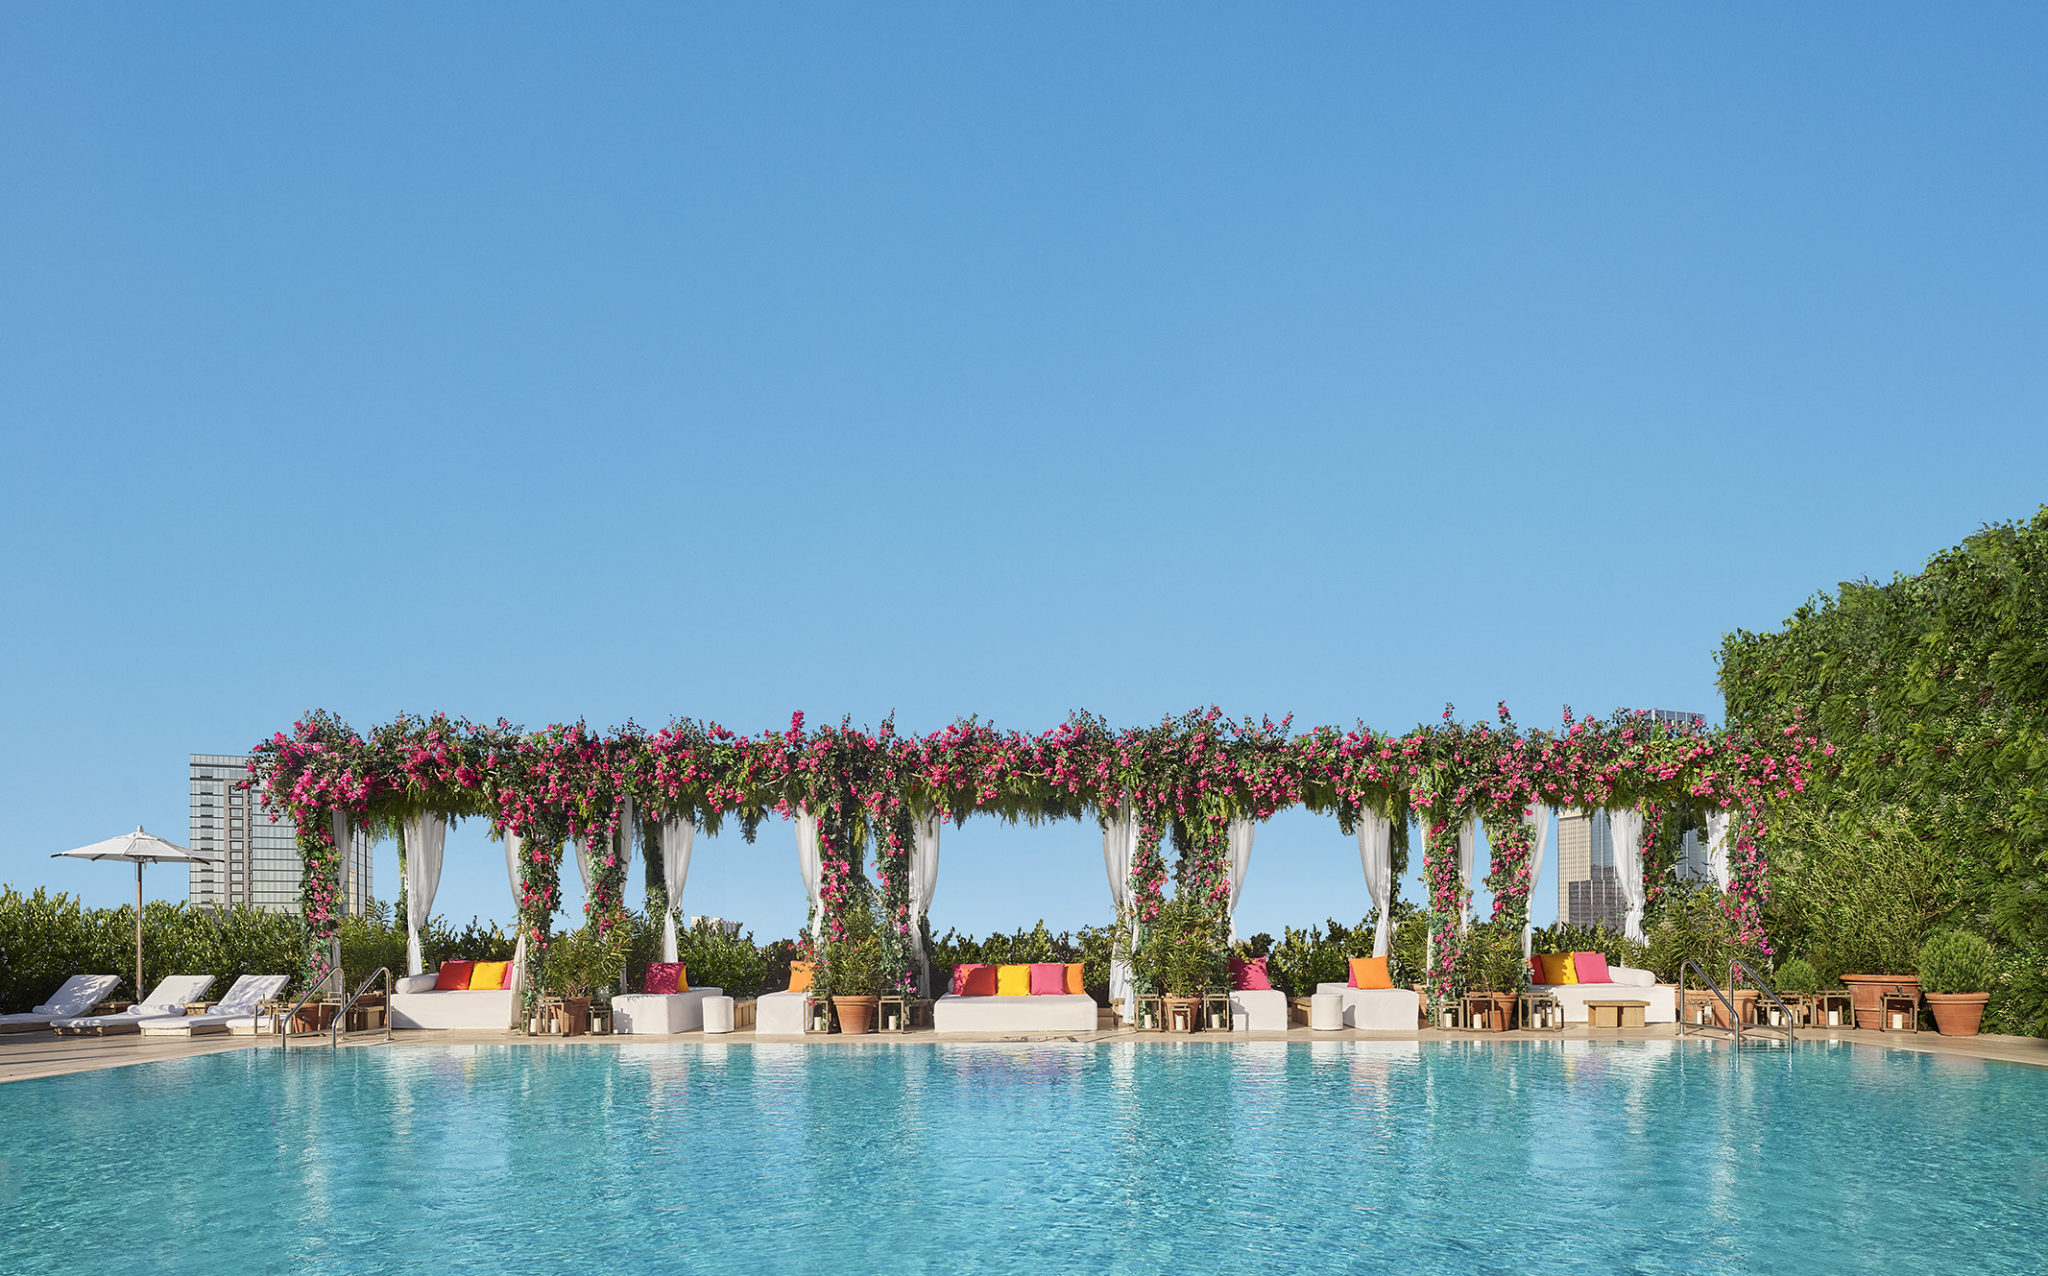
point(168, 998)
point(415, 1004)
point(782, 1013)
point(1628, 984)
point(241, 1004)
point(661, 1012)
point(1378, 1009)
point(1064, 1012)
point(73, 997)
point(1264, 1011)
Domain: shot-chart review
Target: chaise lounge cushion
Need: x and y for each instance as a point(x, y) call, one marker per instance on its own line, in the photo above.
point(1062, 1013)
point(1627, 984)
point(417, 1001)
point(1378, 1009)
point(661, 1012)
point(1264, 1010)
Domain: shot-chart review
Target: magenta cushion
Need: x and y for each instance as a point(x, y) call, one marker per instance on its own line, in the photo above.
point(1250, 976)
point(1591, 968)
point(960, 974)
point(662, 976)
point(1048, 978)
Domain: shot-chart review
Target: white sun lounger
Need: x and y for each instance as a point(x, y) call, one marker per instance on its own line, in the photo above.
point(241, 1004)
point(167, 998)
point(74, 997)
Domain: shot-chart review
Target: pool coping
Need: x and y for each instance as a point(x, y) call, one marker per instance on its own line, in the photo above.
point(27, 1056)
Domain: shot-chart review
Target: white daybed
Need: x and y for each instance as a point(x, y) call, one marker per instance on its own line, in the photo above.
point(1378, 1009)
point(661, 1012)
point(1063, 1012)
point(1264, 1010)
point(73, 997)
point(1628, 984)
point(415, 1003)
point(240, 1005)
point(169, 997)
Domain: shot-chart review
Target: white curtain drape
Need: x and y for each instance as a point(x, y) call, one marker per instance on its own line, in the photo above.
point(1119, 846)
point(677, 837)
point(1626, 825)
point(924, 879)
point(426, 835)
point(1717, 847)
point(1376, 857)
point(344, 848)
point(515, 848)
point(1468, 845)
point(1538, 820)
point(1241, 831)
point(583, 863)
point(809, 864)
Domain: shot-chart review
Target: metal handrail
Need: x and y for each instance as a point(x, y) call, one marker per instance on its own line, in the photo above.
point(284, 1028)
point(341, 1015)
point(1735, 964)
point(1687, 1027)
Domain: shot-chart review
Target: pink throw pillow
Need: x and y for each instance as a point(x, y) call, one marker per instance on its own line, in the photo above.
point(1048, 979)
point(1250, 976)
point(1591, 968)
point(662, 976)
point(960, 974)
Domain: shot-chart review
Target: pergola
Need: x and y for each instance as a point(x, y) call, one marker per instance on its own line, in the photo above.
point(1200, 781)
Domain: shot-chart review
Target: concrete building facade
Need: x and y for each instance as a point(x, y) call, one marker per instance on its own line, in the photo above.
point(259, 860)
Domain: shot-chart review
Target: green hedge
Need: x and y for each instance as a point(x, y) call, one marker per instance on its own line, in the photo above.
point(1932, 812)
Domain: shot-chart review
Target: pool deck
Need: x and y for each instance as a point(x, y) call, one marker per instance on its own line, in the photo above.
point(28, 1055)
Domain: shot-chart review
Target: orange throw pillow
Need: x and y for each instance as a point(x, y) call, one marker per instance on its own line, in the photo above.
point(799, 976)
point(1557, 968)
point(454, 976)
point(980, 982)
point(1370, 972)
point(490, 974)
point(1074, 988)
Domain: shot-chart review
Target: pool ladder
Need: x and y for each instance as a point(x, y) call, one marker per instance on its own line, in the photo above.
point(1687, 1027)
point(335, 1032)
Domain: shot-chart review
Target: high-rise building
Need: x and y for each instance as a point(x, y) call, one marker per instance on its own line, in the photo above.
point(259, 859)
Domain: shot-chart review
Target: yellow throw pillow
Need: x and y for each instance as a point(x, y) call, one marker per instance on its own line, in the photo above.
point(1558, 968)
point(1013, 981)
point(799, 976)
point(489, 974)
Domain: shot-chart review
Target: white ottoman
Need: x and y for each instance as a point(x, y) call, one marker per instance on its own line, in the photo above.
point(1326, 1012)
point(718, 1014)
point(782, 1013)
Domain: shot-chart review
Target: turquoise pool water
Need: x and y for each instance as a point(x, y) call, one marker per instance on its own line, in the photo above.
point(1074, 1159)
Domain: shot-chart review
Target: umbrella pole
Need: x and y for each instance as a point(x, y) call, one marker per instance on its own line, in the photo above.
point(138, 930)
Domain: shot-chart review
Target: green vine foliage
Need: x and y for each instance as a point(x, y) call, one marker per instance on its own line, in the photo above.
point(1931, 691)
point(46, 938)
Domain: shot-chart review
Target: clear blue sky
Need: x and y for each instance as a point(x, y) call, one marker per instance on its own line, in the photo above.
point(1005, 360)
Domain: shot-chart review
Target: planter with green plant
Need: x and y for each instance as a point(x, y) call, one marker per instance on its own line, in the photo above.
point(1183, 957)
point(1955, 978)
point(572, 969)
point(1491, 964)
point(1796, 982)
point(855, 974)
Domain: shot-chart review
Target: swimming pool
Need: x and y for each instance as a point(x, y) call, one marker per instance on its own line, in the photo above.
point(1141, 1158)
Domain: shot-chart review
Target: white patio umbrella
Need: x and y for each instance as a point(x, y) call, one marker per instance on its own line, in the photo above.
point(138, 848)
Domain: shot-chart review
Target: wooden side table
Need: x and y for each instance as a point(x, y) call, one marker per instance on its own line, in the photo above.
point(743, 1013)
point(1615, 1014)
point(1298, 1009)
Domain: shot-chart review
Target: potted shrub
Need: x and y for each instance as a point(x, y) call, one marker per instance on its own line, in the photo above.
point(1797, 982)
point(1493, 965)
point(854, 970)
point(570, 973)
point(1955, 973)
point(1182, 956)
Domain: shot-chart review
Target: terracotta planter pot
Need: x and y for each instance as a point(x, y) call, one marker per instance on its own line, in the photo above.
point(1502, 1016)
point(1867, 994)
point(856, 1014)
point(1745, 1007)
point(1178, 1010)
point(1957, 1014)
point(315, 1016)
point(575, 1016)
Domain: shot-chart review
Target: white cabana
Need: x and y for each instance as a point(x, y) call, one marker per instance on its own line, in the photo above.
point(678, 836)
point(1119, 847)
point(1625, 824)
point(426, 836)
point(1376, 857)
point(1241, 831)
point(924, 879)
point(1538, 820)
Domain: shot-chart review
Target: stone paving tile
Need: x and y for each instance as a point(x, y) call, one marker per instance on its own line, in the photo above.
point(27, 1055)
